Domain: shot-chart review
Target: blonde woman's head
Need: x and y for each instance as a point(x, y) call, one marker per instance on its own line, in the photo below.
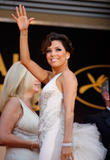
point(17, 82)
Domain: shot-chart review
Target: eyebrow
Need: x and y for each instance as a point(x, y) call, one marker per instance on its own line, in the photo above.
point(54, 47)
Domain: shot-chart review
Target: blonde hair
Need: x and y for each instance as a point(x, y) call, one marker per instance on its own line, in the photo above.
point(18, 81)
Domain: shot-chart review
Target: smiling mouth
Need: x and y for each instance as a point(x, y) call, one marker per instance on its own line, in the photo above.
point(54, 59)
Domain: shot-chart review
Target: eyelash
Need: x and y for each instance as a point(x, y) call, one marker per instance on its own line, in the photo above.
point(58, 49)
point(48, 51)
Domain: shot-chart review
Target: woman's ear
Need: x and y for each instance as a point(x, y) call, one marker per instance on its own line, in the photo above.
point(68, 55)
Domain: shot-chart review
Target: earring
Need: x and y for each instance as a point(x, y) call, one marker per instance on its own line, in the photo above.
point(67, 57)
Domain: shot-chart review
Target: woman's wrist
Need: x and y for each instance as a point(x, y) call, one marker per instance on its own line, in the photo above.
point(34, 145)
point(67, 139)
point(24, 32)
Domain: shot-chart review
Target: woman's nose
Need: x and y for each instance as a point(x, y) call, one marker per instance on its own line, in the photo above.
point(53, 53)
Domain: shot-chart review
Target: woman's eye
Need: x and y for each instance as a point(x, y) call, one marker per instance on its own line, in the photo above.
point(48, 51)
point(58, 49)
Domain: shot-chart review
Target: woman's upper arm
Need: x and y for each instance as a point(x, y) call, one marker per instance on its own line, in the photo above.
point(69, 90)
point(36, 70)
point(10, 116)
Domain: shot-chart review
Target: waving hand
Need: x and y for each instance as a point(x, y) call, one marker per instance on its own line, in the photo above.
point(21, 18)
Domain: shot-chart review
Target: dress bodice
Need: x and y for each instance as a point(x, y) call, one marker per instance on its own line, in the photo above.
point(27, 129)
point(27, 126)
point(51, 105)
point(85, 138)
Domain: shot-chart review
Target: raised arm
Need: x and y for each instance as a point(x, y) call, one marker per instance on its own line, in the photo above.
point(23, 23)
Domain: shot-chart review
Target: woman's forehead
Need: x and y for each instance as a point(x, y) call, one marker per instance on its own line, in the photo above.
point(55, 43)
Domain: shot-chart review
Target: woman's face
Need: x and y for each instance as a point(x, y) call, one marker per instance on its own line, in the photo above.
point(56, 54)
point(36, 85)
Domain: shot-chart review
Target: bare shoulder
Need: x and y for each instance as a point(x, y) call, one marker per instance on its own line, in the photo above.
point(69, 76)
point(13, 104)
point(14, 100)
point(11, 114)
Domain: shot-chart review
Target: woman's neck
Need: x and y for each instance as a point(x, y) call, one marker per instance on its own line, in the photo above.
point(59, 70)
point(27, 97)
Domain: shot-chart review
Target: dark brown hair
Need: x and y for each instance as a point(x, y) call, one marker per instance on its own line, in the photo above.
point(67, 44)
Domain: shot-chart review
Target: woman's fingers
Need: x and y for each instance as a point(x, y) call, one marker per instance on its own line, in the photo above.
point(66, 155)
point(17, 12)
point(20, 9)
point(24, 11)
point(72, 157)
point(14, 17)
point(31, 19)
point(22, 16)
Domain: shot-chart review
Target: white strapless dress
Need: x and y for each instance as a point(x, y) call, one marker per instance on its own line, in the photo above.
point(86, 138)
point(27, 128)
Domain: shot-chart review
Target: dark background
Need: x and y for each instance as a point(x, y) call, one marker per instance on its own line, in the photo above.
point(92, 47)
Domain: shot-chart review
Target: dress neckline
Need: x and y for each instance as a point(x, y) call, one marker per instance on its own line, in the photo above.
point(51, 80)
point(27, 106)
point(55, 76)
point(58, 73)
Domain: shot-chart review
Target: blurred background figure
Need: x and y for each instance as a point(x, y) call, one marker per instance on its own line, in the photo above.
point(18, 121)
point(102, 119)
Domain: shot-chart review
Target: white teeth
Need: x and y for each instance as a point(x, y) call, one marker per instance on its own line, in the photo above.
point(54, 59)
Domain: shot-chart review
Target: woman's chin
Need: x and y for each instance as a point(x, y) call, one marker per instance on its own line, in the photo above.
point(54, 65)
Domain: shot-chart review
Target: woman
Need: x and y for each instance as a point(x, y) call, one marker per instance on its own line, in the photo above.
point(18, 122)
point(57, 99)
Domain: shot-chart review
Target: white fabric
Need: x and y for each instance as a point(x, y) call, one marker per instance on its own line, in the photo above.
point(27, 128)
point(108, 108)
point(86, 144)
